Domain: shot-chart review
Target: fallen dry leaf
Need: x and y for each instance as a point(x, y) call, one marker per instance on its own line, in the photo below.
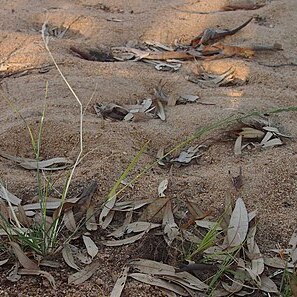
point(239, 223)
point(155, 281)
point(6, 195)
point(162, 187)
point(68, 257)
point(268, 285)
point(45, 274)
point(23, 259)
point(120, 283)
point(84, 274)
point(91, 247)
point(171, 229)
point(124, 241)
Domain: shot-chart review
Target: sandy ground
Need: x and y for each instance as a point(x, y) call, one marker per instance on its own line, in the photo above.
point(269, 176)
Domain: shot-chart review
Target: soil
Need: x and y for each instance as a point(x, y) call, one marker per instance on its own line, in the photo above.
point(269, 176)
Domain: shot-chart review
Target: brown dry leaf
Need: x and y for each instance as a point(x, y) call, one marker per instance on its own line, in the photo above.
point(137, 227)
point(271, 143)
point(238, 145)
point(171, 229)
point(154, 211)
point(5, 194)
point(162, 187)
point(267, 285)
point(122, 229)
point(254, 253)
point(124, 241)
point(151, 267)
point(49, 263)
point(160, 110)
point(45, 274)
point(239, 224)
point(23, 259)
point(120, 283)
point(184, 279)
point(131, 205)
point(69, 220)
point(91, 247)
point(23, 218)
point(277, 263)
point(208, 225)
point(62, 163)
point(68, 257)
point(91, 224)
point(106, 214)
point(84, 274)
point(155, 281)
point(185, 157)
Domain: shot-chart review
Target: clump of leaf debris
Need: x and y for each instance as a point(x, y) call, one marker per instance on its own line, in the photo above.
point(257, 133)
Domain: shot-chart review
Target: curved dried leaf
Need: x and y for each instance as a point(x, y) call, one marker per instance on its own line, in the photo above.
point(124, 241)
point(277, 263)
point(91, 247)
point(208, 225)
point(23, 259)
point(271, 143)
point(91, 224)
point(254, 253)
point(267, 285)
point(120, 283)
point(151, 267)
point(162, 187)
point(84, 274)
point(184, 279)
point(45, 274)
point(131, 205)
point(46, 164)
point(237, 146)
point(171, 229)
point(155, 281)
point(141, 226)
point(6, 195)
point(160, 110)
point(68, 257)
point(239, 223)
point(69, 220)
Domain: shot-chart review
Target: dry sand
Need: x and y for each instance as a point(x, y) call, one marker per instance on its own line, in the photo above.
point(269, 176)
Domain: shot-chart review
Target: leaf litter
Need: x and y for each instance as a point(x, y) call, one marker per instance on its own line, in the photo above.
point(257, 133)
point(171, 57)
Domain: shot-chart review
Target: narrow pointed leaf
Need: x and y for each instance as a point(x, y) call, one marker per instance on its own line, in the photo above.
point(239, 223)
point(84, 274)
point(91, 247)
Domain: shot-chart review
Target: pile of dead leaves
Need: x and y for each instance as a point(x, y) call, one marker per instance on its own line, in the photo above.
point(145, 109)
point(228, 254)
point(257, 133)
point(170, 58)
